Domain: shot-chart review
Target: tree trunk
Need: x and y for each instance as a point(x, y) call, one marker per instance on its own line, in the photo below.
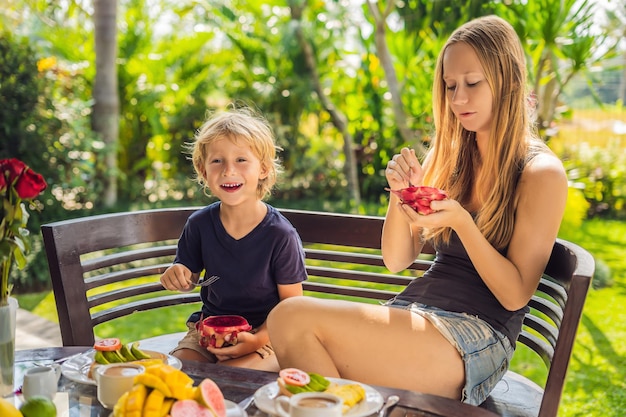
point(622, 84)
point(105, 117)
point(390, 75)
point(338, 118)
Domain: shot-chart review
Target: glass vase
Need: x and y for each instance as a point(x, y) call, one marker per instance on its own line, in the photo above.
point(8, 318)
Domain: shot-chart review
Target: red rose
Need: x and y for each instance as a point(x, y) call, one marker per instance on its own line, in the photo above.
point(15, 175)
point(30, 184)
point(13, 167)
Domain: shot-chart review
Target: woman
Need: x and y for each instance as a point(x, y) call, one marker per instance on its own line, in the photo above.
point(451, 332)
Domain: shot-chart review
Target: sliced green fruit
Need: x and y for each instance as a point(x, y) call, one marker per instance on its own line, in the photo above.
point(127, 354)
point(138, 353)
point(113, 356)
point(318, 382)
point(98, 357)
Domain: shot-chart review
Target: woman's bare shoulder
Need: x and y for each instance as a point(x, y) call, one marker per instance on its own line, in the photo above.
point(545, 171)
point(544, 164)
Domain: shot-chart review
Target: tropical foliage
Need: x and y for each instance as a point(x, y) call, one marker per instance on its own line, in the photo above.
point(344, 84)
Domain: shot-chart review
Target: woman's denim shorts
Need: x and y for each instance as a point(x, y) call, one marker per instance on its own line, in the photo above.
point(485, 351)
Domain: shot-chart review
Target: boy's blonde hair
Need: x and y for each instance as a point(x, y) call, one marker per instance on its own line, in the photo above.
point(238, 124)
point(453, 157)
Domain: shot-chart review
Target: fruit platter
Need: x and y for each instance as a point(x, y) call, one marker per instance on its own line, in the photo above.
point(163, 390)
point(80, 368)
point(359, 399)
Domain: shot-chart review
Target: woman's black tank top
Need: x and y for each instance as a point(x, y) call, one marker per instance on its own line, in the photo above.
point(452, 284)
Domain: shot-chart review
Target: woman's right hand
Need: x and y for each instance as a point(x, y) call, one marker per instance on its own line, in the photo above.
point(401, 241)
point(177, 278)
point(404, 170)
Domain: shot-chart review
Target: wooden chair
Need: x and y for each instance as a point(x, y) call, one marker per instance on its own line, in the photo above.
point(129, 250)
point(343, 260)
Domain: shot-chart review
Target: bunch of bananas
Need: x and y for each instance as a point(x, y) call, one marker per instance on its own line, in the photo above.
point(154, 392)
point(125, 353)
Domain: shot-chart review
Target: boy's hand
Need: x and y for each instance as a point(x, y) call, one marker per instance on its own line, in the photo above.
point(246, 343)
point(177, 278)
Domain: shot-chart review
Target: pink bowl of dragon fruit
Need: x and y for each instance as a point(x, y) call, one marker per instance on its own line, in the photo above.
point(419, 197)
point(221, 331)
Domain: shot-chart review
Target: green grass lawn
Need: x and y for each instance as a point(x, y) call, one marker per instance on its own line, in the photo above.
point(596, 382)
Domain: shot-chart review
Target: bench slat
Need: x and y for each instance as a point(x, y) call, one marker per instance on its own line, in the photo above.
point(128, 256)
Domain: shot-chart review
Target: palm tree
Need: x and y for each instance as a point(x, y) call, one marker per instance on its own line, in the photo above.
point(105, 117)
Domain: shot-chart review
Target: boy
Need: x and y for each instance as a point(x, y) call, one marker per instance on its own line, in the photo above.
point(254, 250)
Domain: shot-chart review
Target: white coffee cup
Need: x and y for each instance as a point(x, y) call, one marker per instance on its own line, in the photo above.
point(309, 404)
point(41, 380)
point(114, 380)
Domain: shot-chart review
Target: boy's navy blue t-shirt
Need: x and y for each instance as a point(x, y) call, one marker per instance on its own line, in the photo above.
point(249, 268)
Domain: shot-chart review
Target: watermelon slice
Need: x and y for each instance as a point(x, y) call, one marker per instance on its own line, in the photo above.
point(210, 396)
point(190, 408)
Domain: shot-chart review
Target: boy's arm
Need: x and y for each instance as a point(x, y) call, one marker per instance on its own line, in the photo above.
point(289, 290)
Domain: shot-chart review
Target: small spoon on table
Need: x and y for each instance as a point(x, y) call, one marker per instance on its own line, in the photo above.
point(391, 401)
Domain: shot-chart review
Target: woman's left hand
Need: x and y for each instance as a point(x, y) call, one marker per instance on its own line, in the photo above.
point(448, 213)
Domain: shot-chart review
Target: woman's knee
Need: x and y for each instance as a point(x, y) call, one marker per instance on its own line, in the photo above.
point(291, 317)
point(289, 309)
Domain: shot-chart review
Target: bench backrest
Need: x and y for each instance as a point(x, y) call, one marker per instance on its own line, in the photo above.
point(343, 260)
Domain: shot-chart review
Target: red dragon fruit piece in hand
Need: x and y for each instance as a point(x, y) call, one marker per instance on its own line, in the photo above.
point(419, 197)
point(219, 331)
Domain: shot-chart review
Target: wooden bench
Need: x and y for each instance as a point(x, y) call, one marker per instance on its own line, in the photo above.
point(87, 255)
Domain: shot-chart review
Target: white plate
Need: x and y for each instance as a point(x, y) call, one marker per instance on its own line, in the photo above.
point(77, 368)
point(264, 399)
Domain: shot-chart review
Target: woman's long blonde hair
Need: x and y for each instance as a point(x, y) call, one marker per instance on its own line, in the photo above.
point(453, 155)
